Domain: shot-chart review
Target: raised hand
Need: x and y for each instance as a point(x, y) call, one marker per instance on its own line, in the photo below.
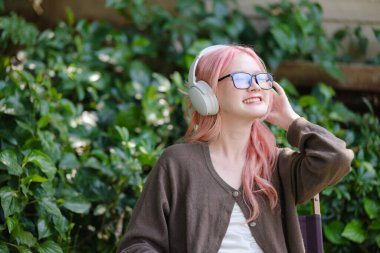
point(282, 113)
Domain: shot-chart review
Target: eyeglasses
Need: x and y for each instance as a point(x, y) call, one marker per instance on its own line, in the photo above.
point(243, 80)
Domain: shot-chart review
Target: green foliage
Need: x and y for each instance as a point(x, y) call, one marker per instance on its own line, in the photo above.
point(86, 109)
point(358, 46)
point(351, 208)
point(83, 120)
point(176, 33)
point(26, 33)
point(295, 32)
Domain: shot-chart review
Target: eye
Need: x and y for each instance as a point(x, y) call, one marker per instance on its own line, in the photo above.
point(264, 78)
point(242, 77)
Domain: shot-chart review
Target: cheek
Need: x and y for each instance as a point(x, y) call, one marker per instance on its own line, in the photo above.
point(223, 95)
point(267, 96)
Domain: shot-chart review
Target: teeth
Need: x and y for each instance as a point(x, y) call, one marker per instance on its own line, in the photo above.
point(251, 100)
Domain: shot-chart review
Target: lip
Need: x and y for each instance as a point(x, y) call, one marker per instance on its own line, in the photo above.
point(253, 99)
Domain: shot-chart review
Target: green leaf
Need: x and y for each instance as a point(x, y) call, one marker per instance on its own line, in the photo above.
point(33, 178)
point(43, 228)
point(42, 161)
point(23, 249)
point(377, 239)
point(362, 40)
point(354, 231)
point(69, 161)
point(306, 101)
point(60, 222)
point(123, 132)
point(376, 32)
point(9, 158)
point(27, 125)
point(333, 231)
point(340, 34)
point(326, 92)
point(77, 205)
point(10, 201)
point(23, 237)
point(375, 225)
point(50, 146)
point(61, 225)
point(285, 38)
point(50, 207)
point(49, 247)
point(333, 69)
point(116, 4)
point(17, 30)
point(12, 223)
point(70, 16)
point(289, 88)
point(3, 248)
point(371, 207)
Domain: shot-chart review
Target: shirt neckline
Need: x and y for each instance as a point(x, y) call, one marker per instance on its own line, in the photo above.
point(211, 168)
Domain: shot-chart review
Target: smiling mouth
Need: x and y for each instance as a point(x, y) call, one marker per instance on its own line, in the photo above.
point(252, 100)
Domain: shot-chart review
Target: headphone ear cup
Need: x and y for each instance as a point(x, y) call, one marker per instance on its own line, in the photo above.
point(203, 99)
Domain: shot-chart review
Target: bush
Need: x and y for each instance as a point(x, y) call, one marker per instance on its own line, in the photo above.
point(351, 208)
point(82, 122)
point(86, 109)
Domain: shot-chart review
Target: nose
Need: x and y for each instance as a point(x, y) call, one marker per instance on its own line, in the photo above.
point(254, 86)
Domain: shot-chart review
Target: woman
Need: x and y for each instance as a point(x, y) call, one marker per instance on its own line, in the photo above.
point(230, 189)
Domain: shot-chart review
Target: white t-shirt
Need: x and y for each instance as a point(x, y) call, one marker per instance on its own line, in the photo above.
point(238, 238)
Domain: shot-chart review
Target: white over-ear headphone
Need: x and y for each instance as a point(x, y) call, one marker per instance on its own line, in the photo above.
point(201, 95)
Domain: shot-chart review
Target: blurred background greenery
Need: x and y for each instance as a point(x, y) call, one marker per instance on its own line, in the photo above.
point(87, 105)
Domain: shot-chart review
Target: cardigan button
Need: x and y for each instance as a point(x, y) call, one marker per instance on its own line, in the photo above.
point(235, 193)
point(252, 224)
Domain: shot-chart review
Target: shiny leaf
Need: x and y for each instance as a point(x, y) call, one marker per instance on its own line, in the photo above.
point(9, 159)
point(49, 247)
point(354, 231)
point(10, 201)
point(77, 205)
point(42, 161)
point(43, 228)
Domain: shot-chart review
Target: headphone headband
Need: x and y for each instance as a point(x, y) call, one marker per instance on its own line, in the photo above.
point(193, 67)
point(201, 95)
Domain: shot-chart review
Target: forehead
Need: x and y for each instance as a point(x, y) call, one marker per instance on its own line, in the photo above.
point(244, 63)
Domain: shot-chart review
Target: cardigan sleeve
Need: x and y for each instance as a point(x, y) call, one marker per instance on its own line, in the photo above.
point(147, 229)
point(322, 160)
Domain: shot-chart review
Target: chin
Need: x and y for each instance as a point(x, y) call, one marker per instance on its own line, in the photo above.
point(257, 115)
point(259, 112)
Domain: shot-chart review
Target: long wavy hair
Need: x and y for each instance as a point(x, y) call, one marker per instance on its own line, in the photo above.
point(261, 153)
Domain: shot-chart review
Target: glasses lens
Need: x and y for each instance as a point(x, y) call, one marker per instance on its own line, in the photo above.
point(241, 80)
point(265, 80)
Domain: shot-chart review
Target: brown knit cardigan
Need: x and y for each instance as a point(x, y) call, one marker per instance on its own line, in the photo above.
point(185, 206)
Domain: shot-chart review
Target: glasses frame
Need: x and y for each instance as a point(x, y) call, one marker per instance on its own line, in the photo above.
point(250, 83)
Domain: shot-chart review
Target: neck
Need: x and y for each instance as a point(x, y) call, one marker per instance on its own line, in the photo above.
point(233, 140)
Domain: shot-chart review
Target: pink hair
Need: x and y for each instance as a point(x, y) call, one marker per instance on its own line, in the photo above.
point(261, 154)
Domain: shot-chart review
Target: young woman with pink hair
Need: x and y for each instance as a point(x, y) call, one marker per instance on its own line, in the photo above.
point(230, 188)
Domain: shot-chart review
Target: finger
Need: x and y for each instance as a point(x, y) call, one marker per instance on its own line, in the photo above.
point(275, 93)
point(279, 89)
point(275, 89)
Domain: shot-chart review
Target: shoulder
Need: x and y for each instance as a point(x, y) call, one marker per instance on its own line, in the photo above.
point(182, 153)
point(183, 150)
point(182, 164)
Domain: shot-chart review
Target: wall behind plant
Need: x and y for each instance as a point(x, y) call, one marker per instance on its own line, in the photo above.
point(86, 108)
point(337, 15)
